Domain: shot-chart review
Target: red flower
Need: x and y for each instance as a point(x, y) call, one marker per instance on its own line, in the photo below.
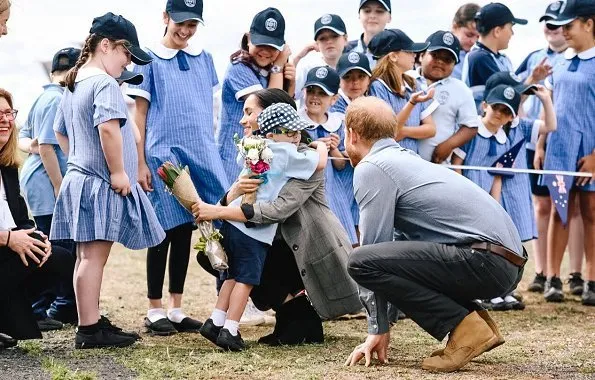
point(161, 173)
point(260, 167)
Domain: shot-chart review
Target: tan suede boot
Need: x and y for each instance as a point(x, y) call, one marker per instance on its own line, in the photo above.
point(486, 317)
point(469, 339)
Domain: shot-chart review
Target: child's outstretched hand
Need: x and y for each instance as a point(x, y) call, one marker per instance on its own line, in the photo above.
point(120, 183)
point(420, 97)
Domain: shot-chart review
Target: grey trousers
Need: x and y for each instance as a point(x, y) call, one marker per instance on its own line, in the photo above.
point(433, 284)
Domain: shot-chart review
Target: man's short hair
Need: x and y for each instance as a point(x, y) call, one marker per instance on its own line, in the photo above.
point(371, 118)
point(466, 14)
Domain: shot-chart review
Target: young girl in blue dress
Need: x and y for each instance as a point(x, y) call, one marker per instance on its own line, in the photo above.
point(174, 114)
point(321, 88)
point(100, 201)
point(391, 84)
point(572, 147)
point(262, 62)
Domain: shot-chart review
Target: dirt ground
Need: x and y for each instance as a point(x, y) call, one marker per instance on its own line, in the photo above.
point(545, 341)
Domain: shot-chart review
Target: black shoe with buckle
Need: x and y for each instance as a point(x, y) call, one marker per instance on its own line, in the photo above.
point(210, 331)
point(101, 338)
point(187, 325)
point(588, 297)
point(576, 284)
point(229, 342)
point(6, 341)
point(161, 327)
point(553, 290)
point(107, 324)
point(538, 284)
point(49, 324)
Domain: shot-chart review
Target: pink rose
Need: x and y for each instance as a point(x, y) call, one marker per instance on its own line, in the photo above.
point(260, 167)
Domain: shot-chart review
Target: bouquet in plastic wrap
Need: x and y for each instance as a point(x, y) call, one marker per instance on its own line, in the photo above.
point(178, 182)
point(257, 158)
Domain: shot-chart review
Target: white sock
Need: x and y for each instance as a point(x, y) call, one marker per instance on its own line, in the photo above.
point(497, 300)
point(232, 326)
point(218, 317)
point(175, 315)
point(156, 314)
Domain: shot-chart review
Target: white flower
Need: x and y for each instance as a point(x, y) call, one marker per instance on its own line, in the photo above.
point(253, 155)
point(267, 155)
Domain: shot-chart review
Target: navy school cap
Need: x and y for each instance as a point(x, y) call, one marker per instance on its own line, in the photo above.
point(552, 11)
point(506, 95)
point(508, 78)
point(353, 61)
point(65, 59)
point(442, 40)
point(495, 14)
point(116, 27)
point(184, 10)
point(390, 40)
point(330, 22)
point(324, 77)
point(572, 9)
point(384, 3)
point(268, 28)
point(280, 115)
point(131, 77)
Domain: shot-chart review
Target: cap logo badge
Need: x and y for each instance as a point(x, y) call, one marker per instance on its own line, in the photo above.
point(353, 57)
point(448, 39)
point(190, 3)
point(562, 6)
point(515, 77)
point(271, 24)
point(321, 73)
point(326, 19)
point(555, 6)
point(509, 93)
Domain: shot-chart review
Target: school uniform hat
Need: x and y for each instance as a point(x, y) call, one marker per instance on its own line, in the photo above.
point(268, 28)
point(65, 59)
point(442, 40)
point(506, 95)
point(353, 61)
point(495, 14)
point(116, 27)
point(330, 22)
point(131, 78)
point(390, 40)
point(184, 10)
point(280, 115)
point(572, 9)
point(552, 11)
point(324, 77)
point(508, 78)
point(384, 3)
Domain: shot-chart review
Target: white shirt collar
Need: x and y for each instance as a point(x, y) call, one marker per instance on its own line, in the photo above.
point(344, 96)
point(484, 132)
point(164, 52)
point(88, 72)
point(332, 124)
point(584, 55)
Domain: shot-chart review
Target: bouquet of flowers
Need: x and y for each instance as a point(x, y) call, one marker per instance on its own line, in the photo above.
point(178, 182)
point(257, 157)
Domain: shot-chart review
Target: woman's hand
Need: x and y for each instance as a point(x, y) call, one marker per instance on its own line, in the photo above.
point(144, 177)
point(203, 211)
point(120, 183)
point(26, 246)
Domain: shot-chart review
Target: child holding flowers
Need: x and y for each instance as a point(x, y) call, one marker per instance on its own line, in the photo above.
point(247, 247)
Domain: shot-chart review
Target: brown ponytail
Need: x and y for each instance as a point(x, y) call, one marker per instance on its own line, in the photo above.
point(90, 44)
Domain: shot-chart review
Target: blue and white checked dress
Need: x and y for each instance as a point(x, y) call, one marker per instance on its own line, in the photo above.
point(240, 80)
point(574, 100)
point(380, 89)
point(179, 85)
point(338, 190)
point(87, 208)
point(341, 103)
point(516, 190)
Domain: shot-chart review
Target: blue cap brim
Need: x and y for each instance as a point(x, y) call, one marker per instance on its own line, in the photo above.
point(259, 39)
point(562, 20)
point(417, 47)
point(499, 101)
point(320, 85)
point(326, 27)
point(179, 17)
point(139, 56)
point(520, 21)
point(351, 68)
point(439, 47)
point(131, 78)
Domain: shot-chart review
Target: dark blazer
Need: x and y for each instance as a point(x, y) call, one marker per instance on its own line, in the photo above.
point(16, 202)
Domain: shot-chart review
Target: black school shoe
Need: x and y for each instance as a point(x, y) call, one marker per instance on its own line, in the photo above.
point(229, 342)
point(49, 324)
point(576, 284)
point(588, 297)
point(210, 331)
point(187, 325)
point(103, 337)
point(538, 284)
point(6, 341)
point(553, 290)
point(297, 323)
point(161, 327)
point(107, 324)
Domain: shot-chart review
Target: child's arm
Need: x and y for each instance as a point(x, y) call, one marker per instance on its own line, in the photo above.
point(305, 51)
point(289, 74)
point(539, 153)
point(550, 123)
point(62, 141)
point(111, 143)
point(456, 160)
point(276, 79)
point(460, 138)
point(51, 165)
point(587, 165)
point(425, 130)
point(140, 119)
point(336, 153)
point(403, 115)
point(322, 151)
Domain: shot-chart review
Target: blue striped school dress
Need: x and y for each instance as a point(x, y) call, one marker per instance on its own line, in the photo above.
point(380, 89)
point(574, 100)
point(339, 193)
point(179, 86)
point(341, 103)
point(87, 208)
point(484, 150)
point(240, 81)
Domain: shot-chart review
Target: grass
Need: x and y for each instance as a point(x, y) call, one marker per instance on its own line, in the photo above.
point(543, 341)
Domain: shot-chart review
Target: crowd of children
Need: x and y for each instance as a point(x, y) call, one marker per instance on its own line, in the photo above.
point(455, 96)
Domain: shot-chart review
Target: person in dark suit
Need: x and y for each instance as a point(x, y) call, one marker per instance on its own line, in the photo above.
point(27, 264)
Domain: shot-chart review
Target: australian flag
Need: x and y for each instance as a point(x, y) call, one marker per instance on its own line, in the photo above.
point(507, 160)
point(559, 187)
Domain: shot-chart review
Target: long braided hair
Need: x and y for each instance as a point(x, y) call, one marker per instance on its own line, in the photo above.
point(90, 45)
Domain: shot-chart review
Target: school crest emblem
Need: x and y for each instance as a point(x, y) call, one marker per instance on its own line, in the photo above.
point(190, 3)
point(326, 19)
point(562, 6)
point(509, 93)
point(353, 57)
point(443, 97)
point(448, 39)
point(270, 24)
point(555, 6)
point(321, 73)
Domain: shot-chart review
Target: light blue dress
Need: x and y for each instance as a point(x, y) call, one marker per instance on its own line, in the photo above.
point(338, 188)
point(574, 101)
point(380, 89)
point(516, 190)
point(179, 86)
point(240, 81)
point(35, 182)
point(87, 208)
